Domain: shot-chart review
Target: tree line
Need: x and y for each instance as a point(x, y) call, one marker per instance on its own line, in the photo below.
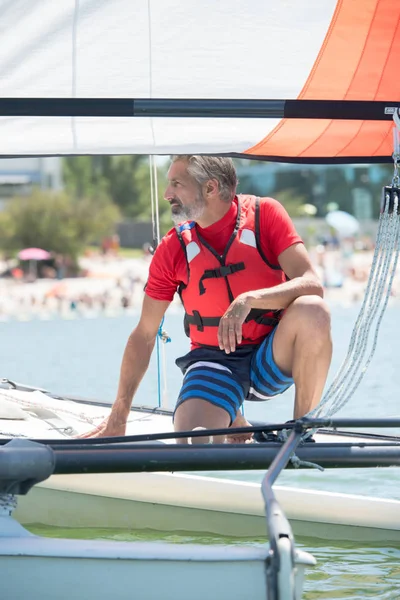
point(99, 191)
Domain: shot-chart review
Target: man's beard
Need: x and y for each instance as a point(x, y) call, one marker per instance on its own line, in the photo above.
point(193, 212)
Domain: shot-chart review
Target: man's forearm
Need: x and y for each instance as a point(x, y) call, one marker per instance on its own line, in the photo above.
point(282, 295)
point(134, 365)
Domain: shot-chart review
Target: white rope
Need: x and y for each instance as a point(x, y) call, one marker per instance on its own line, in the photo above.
point(8, 503)
point(155, 218)
point(375, 301)
point(79, 416)
point(156, 206)
point(377, 293)
point(164, 397)
point(152, 202)
point(360, 317)
point(297, 463)
point(294, 459)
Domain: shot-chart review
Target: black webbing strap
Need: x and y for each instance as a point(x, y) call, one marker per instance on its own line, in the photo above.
point(201, 322)
point(270, 319)
point(222, 271)
point(262, 317)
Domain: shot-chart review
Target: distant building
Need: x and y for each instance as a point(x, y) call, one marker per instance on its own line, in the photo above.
point(18, 176)
point(355, 188)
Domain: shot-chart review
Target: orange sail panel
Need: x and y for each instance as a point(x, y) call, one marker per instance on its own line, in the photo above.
point(359, 60)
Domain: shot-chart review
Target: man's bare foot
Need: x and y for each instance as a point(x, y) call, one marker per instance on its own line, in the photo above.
point(240, 438)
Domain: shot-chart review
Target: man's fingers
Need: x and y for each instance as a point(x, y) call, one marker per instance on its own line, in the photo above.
point(229, 333)
point(222, 333)
point(88, 434)
point(225, 337)
point(95, 432)
point(231, 337)
point(238, 332)
point(220, 342)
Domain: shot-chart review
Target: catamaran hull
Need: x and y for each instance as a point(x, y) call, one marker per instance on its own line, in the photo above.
point(175, 502)
point(201, 505)
point(79, 569)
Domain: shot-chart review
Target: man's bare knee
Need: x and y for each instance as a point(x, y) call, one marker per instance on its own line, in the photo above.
point(306, 320)
point(197, 413)
point(311, 312)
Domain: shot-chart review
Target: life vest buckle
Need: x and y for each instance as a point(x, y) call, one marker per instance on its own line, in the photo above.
point(198, 321)
point(226, 270)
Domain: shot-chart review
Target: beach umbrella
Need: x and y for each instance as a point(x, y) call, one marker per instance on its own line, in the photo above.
point(33, 254)
point(344, 223)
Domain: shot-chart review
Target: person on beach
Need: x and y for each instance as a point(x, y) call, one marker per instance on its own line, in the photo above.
point(254, 308)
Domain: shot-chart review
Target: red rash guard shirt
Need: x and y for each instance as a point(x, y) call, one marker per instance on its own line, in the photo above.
point(168, 266)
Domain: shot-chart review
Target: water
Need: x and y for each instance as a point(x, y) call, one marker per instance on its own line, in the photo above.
point(83, 357)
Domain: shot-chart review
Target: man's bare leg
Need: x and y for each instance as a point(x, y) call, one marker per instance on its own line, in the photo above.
point(196, 412)
point(239, 438)
point(302, 348)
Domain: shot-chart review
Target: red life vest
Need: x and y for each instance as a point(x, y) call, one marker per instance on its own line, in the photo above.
point(214, 281)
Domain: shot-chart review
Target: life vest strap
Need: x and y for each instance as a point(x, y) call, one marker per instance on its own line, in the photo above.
point(201, 322)
point(262, 317)
point(222, 271)
point(257, 315)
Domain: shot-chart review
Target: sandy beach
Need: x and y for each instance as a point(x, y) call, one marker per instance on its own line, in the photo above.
point(114, 284)
point(111, 285)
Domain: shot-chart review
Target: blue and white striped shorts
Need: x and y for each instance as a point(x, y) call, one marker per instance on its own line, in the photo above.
point(226, 380)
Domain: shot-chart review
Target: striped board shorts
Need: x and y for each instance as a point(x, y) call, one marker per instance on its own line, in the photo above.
point(226, 380)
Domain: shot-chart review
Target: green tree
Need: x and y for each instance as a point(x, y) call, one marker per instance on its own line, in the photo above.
point(115, 176)
point(292, 202)
point(142, 182)
point(56, 222)
point(126, 179)
point(82, 177)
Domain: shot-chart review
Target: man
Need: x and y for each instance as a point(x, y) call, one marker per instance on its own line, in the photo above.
point(253, 304)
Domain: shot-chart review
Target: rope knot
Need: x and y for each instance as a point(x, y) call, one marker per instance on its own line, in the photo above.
point(163, 335)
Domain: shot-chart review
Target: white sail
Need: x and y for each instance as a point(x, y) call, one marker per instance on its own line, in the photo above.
point(169, 49)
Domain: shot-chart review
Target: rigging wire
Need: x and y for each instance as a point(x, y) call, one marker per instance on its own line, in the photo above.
point(162, 336)
point(376, 297)
point(381, 278)
point(153, 208)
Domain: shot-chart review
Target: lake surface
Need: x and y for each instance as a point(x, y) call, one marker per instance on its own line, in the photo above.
point(82, 357)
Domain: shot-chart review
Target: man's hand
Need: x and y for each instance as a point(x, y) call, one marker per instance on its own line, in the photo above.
point(230, 325)
point(107, 428)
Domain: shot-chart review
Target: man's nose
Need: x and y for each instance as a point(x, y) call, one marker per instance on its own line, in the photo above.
point(168, 193)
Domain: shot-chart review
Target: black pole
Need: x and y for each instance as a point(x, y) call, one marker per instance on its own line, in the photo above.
point(169, 458)
point(348, 422)
point(362, 110)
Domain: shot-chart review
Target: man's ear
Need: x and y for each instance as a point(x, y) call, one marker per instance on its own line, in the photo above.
point(212, 186)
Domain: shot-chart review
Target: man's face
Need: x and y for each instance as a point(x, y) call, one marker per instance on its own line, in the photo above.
point(183, 194)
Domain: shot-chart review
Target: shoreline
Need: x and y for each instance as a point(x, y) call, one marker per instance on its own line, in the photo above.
point(114, 286)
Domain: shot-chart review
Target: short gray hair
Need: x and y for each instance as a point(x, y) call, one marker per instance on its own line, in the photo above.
point(204, 168)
